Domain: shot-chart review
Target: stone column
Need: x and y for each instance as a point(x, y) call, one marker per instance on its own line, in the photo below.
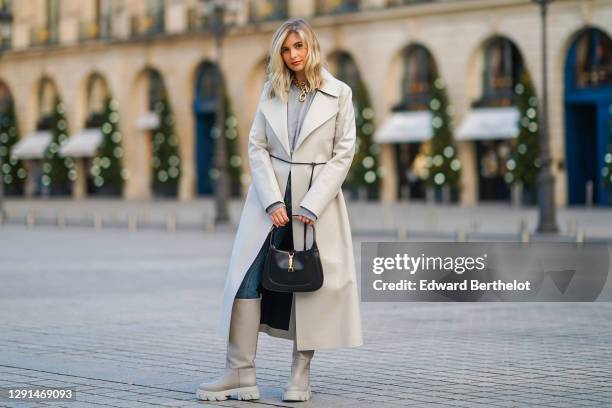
point(469, 173)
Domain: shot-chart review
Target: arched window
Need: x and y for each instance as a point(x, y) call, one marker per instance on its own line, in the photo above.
point(418, 71)
point(418, 77)
point(346, 69)
point(207, 84)
point(46, 97)
point(5, 98)
point(97, 92)
point(157, 90)
point(593, 66)
point(503, 66)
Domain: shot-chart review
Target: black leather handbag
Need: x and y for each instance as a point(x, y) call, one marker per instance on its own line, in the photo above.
point(293, 271)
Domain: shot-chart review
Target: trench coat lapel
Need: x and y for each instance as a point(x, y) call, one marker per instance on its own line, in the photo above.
point(324, 106)
point(275, 111)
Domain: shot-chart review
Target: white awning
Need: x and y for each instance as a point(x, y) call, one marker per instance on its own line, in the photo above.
point(490, 123)
point(405, 127)
point(148, 121)
point(84, 143)
point(32, 146)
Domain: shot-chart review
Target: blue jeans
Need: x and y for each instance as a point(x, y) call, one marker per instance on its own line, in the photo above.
point(249, 289)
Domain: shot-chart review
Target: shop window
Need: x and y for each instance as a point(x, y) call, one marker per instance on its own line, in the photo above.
point(503, 66)
point(593, 66)
point(418, 78)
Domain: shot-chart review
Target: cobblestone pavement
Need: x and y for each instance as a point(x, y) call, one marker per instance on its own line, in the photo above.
point(128, 319)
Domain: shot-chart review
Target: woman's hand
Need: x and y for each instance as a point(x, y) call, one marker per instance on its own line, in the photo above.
point(279, 217)
point(305, 220)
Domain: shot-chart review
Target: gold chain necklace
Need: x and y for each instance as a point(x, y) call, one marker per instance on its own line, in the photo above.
point(304, 88)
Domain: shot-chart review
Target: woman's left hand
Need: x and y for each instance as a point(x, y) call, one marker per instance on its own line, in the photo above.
point(305, 220)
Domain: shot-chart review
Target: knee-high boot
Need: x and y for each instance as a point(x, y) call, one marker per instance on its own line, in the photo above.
point(239, 376)
point(298, 387)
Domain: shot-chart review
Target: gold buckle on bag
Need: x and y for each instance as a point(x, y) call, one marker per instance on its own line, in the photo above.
point(290, 268)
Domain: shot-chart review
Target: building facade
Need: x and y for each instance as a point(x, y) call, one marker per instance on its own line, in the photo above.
point(146, 74)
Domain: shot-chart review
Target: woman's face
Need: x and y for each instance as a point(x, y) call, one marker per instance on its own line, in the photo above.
point(294, 52)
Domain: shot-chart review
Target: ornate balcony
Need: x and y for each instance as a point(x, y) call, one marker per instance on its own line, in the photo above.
point(95, 30)
point(42, 35)
point(197, 19)
point(268, 10)
point(147, 25)
point(323, 7)
point(397, 3)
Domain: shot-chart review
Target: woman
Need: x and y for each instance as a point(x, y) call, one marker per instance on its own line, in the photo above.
point(304, 115)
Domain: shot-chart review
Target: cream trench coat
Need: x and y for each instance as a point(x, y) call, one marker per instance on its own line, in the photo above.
point(330, 316)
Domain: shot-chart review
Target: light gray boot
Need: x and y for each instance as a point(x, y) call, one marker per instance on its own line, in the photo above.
point(298, 387)
point(239, 377)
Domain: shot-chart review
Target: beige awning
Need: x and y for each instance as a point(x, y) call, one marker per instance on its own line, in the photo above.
point(148, 121)
point(405, 127)
point(490, 123)
point(84, 143)
point(32, 146)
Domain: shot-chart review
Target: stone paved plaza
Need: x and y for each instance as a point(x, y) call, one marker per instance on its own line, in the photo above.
point(128, 319)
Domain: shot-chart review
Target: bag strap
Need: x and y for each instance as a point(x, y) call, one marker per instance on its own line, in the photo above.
point(313, 164)
point(314, 234)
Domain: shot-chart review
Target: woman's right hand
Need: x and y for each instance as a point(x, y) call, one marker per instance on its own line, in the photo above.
point(279, 217)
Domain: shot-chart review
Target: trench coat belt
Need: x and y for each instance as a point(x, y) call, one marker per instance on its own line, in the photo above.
point(313, 164)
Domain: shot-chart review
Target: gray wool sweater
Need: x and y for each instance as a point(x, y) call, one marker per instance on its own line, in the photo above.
point(296, 112)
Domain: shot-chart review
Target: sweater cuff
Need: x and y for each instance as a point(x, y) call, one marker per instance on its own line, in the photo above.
point(272, 207)
point(306, 213)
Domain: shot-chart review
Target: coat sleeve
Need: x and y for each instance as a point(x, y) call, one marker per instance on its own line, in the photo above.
point(260, 162)
point(328, 182)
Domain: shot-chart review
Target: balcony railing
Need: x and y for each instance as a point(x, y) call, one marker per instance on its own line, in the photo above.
point(202, 18)
point(40, 36)
point(197, 20)
point(147, 25)
point(95, 30)
point(268, 10)
point(323, 7)
point(396, 3)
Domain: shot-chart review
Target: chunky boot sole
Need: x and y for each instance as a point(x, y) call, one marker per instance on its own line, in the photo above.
point(242, 393)
point(296, 395)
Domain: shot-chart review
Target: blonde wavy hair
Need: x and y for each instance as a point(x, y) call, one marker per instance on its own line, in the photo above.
point(278, 74)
